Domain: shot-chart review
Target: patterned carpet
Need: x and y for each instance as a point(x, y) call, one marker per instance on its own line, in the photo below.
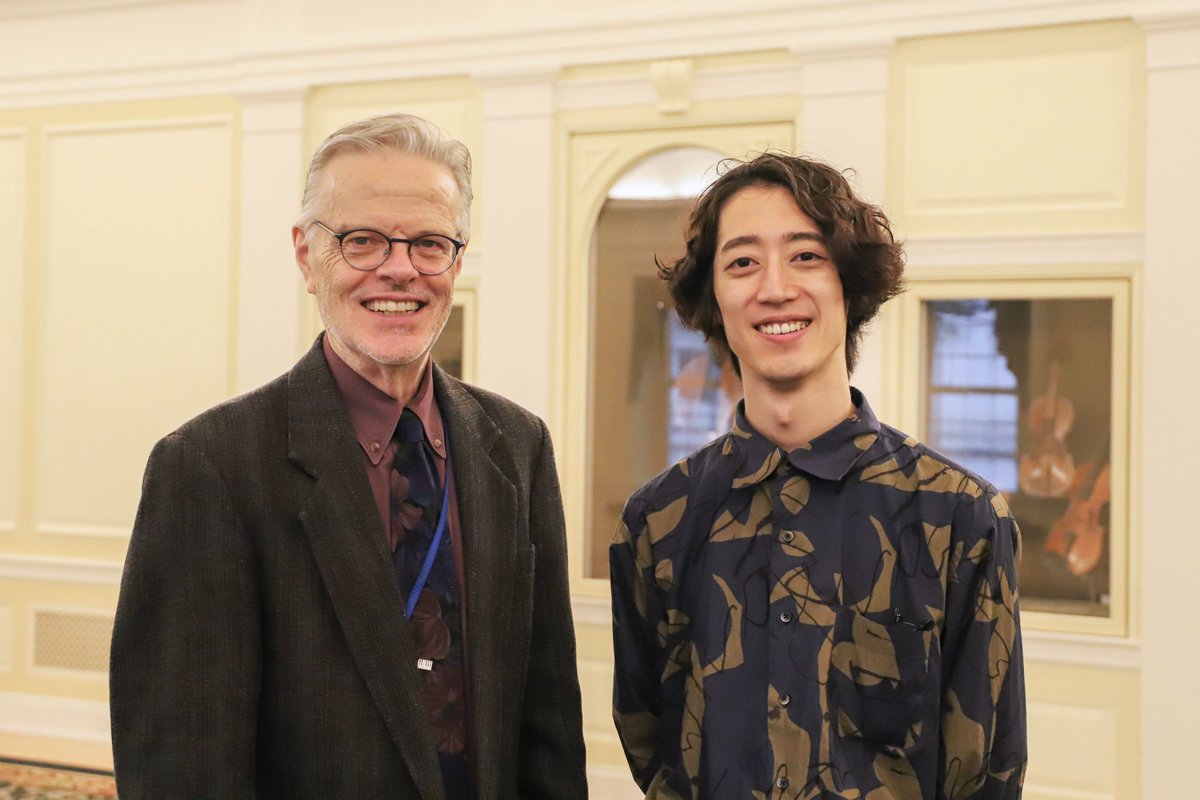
point(24, 780)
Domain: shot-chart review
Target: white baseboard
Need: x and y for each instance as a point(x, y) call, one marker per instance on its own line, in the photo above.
point(55, 717)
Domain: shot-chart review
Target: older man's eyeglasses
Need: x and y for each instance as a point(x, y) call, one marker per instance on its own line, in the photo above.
point(365, 249)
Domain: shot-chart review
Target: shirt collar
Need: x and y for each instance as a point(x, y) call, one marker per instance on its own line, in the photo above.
point(374, 414)
point(829, 456)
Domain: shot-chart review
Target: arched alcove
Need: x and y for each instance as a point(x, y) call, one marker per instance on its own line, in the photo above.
point(656, 391)
point(626, 197)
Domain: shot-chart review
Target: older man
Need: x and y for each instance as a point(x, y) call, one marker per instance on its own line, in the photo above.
point(351, 583)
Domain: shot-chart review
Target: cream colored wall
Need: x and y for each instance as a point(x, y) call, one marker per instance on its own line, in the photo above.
point(119, 325)
point(1169, 382)
point(1033, 140)
point(1041, 162)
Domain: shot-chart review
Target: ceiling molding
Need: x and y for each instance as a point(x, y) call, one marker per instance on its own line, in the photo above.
point(262, 54)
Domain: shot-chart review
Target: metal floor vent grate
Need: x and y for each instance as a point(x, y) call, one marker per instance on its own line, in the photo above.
point(74, 640)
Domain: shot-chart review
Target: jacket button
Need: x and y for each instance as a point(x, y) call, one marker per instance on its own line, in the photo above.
point(787, 536)
point(784, 699)
point(785, 617)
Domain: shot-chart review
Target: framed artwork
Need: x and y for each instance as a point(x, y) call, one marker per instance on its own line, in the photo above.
point(1026, 384)
point(454, 350)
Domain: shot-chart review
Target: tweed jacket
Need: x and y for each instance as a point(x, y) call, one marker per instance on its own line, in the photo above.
point(260, 648)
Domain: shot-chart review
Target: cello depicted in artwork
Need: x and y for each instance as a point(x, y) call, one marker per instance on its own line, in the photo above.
point(1078, 536)
point(1048, 470)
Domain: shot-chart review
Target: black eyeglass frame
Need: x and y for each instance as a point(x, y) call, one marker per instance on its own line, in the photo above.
point(458, 246)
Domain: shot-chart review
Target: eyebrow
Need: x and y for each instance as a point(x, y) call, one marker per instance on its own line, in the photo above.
point(798, 236)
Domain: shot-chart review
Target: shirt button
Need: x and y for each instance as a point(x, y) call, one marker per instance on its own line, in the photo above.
point(785, 617)
point(374, 447)
point(787, 536)
point(782, 783)
point(437, 442)
point(784, 699)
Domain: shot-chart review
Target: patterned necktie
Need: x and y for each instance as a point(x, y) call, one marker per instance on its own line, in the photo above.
point(414, 492)
point(416, 500)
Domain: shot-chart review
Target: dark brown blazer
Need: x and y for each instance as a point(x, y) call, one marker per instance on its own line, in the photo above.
point(260, 648)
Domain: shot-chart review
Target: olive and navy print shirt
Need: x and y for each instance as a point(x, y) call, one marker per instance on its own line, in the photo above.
point(838, 621)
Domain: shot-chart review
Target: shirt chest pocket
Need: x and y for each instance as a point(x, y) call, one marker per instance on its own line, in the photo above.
point(881, 680)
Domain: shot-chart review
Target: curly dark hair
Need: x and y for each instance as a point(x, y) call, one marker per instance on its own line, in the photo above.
point(869, 260)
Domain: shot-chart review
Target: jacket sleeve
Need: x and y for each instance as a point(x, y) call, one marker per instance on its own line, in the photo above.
point(638, 652)
point(185, 663)
point(552, 762)
point(983, 750)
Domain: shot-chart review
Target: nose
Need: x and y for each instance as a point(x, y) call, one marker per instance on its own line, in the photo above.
point(398, 265)
point(777, 285)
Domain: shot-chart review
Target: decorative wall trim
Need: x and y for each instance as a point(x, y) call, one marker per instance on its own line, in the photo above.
point(639, 90)
point(1044, 647)
point(45, 8)
point(673, 79)
point(143, 124)
point(1050, 248)
point(837, 73)
point(81, 529)
point(525, 95)
point(59, 570)
point(6, 638)
point(57, 717)
point(1173, 41)
point(595, 611)
point(272, 112)
point(15, 274)
point(252, 60)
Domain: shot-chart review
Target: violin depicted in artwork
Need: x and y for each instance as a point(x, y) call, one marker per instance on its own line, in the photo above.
point(1078, 537)
point(1047, 470)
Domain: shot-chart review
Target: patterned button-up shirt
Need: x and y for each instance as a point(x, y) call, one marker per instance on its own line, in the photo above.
point(838, 621)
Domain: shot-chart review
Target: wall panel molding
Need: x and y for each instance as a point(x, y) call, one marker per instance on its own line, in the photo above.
point(269, 296)
point(7, 636)
point(57, 717)
point(1027, 131)
point(46, 569)
point(52, 528)
point(1078, 747)
point(13, 268)
point(1034, 249)
point(131, 291)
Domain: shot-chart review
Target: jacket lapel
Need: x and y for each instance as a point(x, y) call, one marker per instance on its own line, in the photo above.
point(485, 487)
point(347, 542)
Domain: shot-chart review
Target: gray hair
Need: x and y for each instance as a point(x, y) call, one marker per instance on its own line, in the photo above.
point(402, 133)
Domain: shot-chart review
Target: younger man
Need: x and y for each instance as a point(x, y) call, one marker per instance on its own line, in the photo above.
point(815, 604)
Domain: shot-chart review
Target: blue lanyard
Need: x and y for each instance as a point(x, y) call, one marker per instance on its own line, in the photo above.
point(426, 567)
